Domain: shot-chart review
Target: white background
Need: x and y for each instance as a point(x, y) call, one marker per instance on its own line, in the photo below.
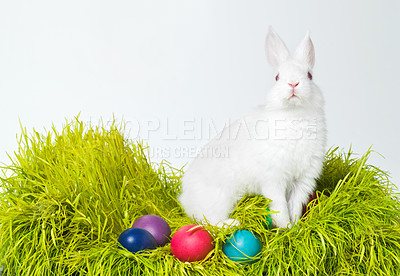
point(178, 71)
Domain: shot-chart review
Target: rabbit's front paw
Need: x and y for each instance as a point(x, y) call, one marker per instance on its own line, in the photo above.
point(228, 223)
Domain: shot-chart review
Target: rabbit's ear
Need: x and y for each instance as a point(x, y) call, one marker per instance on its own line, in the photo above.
point(305, 52)
point(276, 49)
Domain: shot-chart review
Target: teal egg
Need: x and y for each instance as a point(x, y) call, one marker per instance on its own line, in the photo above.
point(268, 220)
point(242, 246)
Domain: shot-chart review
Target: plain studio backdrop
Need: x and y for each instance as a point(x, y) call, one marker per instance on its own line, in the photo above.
point(178, 71)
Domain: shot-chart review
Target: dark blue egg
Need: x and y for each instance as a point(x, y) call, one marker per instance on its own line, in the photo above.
point(137, 239)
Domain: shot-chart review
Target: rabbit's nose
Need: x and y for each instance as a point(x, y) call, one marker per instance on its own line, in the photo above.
point(293, 84)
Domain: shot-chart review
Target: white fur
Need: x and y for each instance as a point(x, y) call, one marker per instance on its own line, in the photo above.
point(276, 150)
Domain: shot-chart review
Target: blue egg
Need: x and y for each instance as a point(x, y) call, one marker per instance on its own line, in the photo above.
point(242, 246)
point(137, 239)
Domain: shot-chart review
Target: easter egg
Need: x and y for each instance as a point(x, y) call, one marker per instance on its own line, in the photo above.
point(191, 243)
point(137, 239)
point(312, 197)
point(267, 220)
point(242, 246)
point(157, 227)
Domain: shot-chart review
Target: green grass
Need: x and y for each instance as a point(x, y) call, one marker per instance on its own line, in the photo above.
point(66, 197)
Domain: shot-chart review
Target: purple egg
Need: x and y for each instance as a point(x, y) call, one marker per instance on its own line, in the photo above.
point(157, 227)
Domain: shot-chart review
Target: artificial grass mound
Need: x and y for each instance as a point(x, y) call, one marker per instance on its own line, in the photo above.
point(68, 195)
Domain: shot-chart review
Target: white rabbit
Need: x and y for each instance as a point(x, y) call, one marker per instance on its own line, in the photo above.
point(277, 150)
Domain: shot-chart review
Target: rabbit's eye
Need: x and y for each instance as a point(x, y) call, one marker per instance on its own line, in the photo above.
point(309, 75)
point(277, 77)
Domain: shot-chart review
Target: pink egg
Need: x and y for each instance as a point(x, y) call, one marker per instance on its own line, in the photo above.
point(191, 243)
